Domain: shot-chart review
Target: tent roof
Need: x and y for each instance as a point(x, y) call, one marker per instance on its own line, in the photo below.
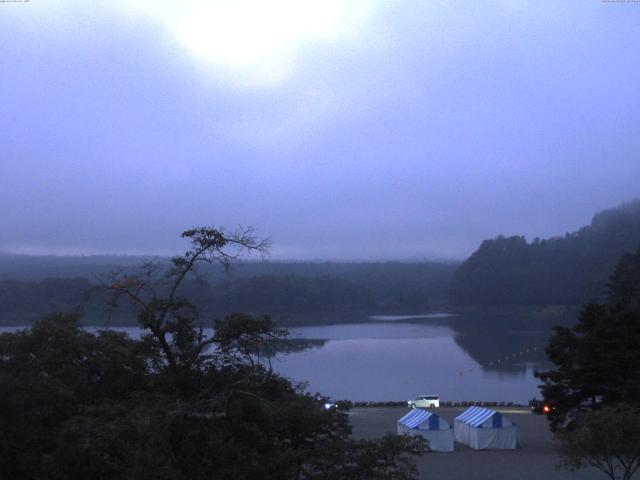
point(476, 416)
point(415, 417)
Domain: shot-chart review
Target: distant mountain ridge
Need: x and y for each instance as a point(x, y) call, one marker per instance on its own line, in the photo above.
point(568, 270)
point(32, 287)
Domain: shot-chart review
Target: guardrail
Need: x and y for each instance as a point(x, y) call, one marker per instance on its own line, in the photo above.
point(442, 404)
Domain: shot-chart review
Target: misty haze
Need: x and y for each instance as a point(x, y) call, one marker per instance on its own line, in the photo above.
point(304, 239)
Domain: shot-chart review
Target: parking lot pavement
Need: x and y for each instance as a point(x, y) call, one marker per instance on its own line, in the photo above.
point(535, 458)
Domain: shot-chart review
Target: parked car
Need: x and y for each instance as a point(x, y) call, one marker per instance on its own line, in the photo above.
point(540, 407)
point(330, 404)
point(424, 401)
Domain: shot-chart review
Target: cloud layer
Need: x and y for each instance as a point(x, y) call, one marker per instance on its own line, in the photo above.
point(383, 130)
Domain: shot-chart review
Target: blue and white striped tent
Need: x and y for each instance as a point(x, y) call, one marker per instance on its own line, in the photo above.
point(482, 428)
point(430, 426)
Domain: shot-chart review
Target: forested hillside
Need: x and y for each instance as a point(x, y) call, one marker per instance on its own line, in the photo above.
point(280, 289)
point(566, 270)
point(388, 282)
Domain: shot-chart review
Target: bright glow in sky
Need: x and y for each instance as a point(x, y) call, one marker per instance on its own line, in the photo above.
point(354, 129)
point(255, 41)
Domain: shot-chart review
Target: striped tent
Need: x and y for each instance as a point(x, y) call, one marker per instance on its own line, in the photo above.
point(430, 426)
point(483, 428)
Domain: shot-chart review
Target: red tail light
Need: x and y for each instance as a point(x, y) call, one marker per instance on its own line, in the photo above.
point(546, 409)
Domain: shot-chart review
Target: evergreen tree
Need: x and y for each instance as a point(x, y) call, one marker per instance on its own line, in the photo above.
point(598, 360)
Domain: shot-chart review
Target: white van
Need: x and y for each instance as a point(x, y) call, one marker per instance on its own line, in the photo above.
point(424, 401)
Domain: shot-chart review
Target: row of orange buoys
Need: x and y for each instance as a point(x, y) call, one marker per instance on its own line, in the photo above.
point(505, 359)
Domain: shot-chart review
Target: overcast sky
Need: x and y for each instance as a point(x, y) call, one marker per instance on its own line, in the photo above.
point(342, 129)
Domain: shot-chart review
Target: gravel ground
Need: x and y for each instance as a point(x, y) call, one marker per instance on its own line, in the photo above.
point(534, 459)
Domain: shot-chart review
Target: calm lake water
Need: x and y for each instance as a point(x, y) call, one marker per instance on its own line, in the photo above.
point(400, 360)
point(404, 356)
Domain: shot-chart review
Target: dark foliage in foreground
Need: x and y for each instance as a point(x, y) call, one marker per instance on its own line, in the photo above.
point(598, 360)
point(607, 439)
point(594, 391)
point(74, 405)
point(175, 404)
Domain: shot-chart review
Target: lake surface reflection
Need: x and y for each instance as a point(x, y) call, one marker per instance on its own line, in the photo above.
point(396, 360)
